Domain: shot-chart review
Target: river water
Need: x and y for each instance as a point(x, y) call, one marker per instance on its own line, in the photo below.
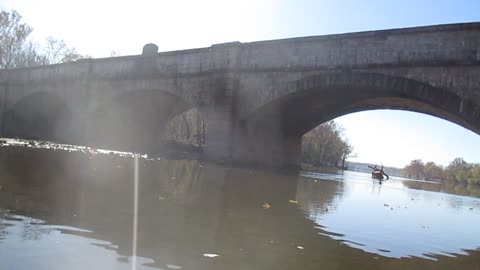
point(82, 208)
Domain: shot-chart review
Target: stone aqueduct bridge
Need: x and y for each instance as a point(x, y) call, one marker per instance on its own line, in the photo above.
point(258, 98)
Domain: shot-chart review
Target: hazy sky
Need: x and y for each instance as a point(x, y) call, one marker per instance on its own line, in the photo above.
point(98, 27)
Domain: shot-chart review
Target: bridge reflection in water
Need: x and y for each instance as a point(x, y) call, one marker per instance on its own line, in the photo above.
point(73, 210)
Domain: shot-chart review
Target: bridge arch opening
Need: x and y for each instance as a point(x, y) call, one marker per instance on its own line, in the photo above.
point(186, 132)
point(392, 138)
point(273, 133)
point(39, 116)
point(135, 120)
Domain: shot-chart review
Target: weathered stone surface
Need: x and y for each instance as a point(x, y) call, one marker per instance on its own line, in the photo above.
point(259, 97)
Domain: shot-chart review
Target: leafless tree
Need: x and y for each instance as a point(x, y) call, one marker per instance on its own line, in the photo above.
point(56, 51)
point(13, 35)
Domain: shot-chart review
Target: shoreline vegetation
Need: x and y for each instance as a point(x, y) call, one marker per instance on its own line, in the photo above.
point(326, 146)
point(458, 171)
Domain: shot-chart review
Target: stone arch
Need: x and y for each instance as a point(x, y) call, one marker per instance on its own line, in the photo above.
point(41, 116)
point(134, 120)
point(272, 133)
point(316, 99)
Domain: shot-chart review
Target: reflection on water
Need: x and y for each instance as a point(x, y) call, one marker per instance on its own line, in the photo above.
point(389, 219)
point(73, 210)
point(447, 187)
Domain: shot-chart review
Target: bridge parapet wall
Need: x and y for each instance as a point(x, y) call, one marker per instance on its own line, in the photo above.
point(434, 45)
point(197, 62)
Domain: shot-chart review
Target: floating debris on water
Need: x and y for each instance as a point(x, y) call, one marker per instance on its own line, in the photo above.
point(210, 255)
point(292, 201)
point(300, 247)
point(266, 205)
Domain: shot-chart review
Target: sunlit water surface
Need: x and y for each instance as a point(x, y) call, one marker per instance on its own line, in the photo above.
point(74, 209)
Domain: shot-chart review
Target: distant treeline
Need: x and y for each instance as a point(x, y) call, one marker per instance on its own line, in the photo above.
point(458, 171)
